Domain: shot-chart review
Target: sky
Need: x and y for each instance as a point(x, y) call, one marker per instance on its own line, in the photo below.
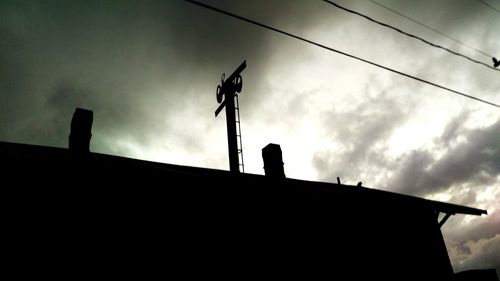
point(149, 71)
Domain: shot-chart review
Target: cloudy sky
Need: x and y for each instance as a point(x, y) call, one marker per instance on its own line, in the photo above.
point(149, 70)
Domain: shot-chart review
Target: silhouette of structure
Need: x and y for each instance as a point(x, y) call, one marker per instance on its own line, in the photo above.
point(109, 215)
point(472, 275)
point(228, 89)
point(80, 135)
point(273, 161)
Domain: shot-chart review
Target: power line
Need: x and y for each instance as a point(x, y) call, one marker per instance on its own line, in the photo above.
point(411, 35)
point(336, 51)
point(488, 5)
point(430, 28)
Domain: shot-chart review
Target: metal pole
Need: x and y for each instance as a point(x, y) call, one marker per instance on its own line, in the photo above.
point(232, 144)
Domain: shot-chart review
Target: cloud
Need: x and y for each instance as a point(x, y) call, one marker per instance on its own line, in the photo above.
point(137, 65)
point(475, 159)
point(461, 163)
point(481, 254)
point(467, 171)
point(453, 129)
point(360, 133)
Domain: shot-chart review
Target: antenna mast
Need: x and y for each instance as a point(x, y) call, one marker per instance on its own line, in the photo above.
point(228, 89)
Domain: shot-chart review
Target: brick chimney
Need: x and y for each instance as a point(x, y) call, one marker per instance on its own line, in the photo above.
point(80, 134)
point(273, 161)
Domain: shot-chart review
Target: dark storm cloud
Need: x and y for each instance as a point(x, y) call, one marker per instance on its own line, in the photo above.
point(134, 63)
point(462, 20)
point(453, 129)
point(361, 132)
point(484, 256)
point(451, 16)
point(481, 254)
point(487, 228)
point(138, 65)
point(487, 256)
point(475, 160)
point(473, 243)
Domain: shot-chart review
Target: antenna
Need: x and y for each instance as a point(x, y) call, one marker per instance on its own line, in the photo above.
point(228, 89)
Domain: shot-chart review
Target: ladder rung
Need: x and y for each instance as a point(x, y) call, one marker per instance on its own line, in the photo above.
point(238, 135)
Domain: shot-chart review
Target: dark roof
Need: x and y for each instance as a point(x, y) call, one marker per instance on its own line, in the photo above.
point(24, 153)
point(91, 206)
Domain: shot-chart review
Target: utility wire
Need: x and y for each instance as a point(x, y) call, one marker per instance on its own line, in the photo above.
point(430, 28)
point(488, 5)
point(411, 35)
point(336, 51)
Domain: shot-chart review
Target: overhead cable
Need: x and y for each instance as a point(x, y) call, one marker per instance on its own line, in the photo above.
point(489, 6)
point(432, 29)
point(411, 35)
point(337, 51)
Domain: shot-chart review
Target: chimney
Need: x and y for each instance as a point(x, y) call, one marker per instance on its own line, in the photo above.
point(273, 161)
point(80, 134)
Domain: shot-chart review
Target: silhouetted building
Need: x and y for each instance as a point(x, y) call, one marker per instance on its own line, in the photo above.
point(473, 275)
point(121, 215)
point(88, 214)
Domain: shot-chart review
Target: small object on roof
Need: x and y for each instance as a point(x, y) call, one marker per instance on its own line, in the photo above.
point(359, 184)
point(338, 180)
point(496, 63)
point(80, 132)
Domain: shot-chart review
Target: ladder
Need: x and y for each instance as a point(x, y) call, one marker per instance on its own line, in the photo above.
point(238, 135)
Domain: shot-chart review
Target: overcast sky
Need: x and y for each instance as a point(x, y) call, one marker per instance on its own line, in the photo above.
point(149, 70)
